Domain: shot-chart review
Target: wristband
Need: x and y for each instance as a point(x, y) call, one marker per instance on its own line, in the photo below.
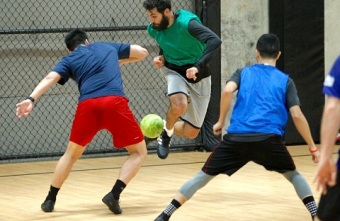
point(30, 98)
point(313, 151)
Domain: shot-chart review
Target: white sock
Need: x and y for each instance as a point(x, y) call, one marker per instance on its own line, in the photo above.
point(169, 132)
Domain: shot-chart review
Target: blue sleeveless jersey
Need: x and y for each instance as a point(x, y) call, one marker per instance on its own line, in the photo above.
point(261, 101)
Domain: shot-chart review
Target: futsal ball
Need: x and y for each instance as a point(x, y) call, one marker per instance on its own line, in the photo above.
point(151, 125)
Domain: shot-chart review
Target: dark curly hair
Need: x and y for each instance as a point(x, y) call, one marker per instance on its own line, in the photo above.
point(161, 5)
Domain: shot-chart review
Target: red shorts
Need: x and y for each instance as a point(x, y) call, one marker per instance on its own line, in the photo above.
point(111, 113)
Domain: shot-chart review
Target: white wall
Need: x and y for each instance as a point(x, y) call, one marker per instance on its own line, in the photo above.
point(242, 23)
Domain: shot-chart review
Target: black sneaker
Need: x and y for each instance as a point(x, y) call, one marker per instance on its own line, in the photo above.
point(47, 206)
point(149, 140)
point(163, 147)
point(112, 203)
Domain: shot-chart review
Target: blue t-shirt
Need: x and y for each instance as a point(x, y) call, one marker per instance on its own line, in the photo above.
point(95, 68)
point(331, 86)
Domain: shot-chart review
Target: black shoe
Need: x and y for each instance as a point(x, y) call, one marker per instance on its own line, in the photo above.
point(163, 147)
point(161, 218)
point(47, 206)
point(149, 140)
point(112, 203)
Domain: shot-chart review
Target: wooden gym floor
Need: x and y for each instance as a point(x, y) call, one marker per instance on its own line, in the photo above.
point(251, 194)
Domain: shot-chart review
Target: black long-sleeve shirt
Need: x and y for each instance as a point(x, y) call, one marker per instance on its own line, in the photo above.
point(212, 42)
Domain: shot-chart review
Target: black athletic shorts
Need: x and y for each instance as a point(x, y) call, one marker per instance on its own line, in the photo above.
point(329, 205)
point(229, 156)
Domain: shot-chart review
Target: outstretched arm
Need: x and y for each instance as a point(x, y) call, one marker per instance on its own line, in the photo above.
point(137, 53)
point(302, 126)
point(25, 107)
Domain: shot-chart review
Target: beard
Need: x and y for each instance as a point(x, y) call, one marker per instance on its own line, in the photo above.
point(162, 25)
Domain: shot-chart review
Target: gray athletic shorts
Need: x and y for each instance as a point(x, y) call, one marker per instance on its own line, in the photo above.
point(198, 95)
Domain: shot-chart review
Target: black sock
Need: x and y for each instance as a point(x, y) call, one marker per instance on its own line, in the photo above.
point(52, 194)
point(118, 189)
point(170, 209)
point(310, 204)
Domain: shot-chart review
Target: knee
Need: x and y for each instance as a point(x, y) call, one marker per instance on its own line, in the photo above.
point(142, 152)
point(178, 108)
point(138, 150)
point(290, 174)
point(73, 152)
point(178, 105)
point(70, 157)
point(194, 184)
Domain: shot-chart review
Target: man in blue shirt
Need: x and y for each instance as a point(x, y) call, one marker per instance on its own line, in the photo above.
point(327, 174)
point(102, 105)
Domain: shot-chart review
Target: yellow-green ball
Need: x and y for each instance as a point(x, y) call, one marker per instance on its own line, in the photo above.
point(152, 125)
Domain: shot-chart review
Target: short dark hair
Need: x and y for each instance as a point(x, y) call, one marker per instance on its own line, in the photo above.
point(74, 38)
point(268, 45)
point(161, 5)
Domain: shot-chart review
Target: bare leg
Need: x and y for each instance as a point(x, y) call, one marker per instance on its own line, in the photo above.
point(62, 170)
point(183, 129)
point(65, 163)
point(133, 163)
point(130, 167)
point(178, 106)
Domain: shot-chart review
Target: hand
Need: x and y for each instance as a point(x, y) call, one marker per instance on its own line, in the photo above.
point(325, 175)
point(158, 61)
point(24, 108)
point(217, 128)
point(315, 154)
point(191, 73)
